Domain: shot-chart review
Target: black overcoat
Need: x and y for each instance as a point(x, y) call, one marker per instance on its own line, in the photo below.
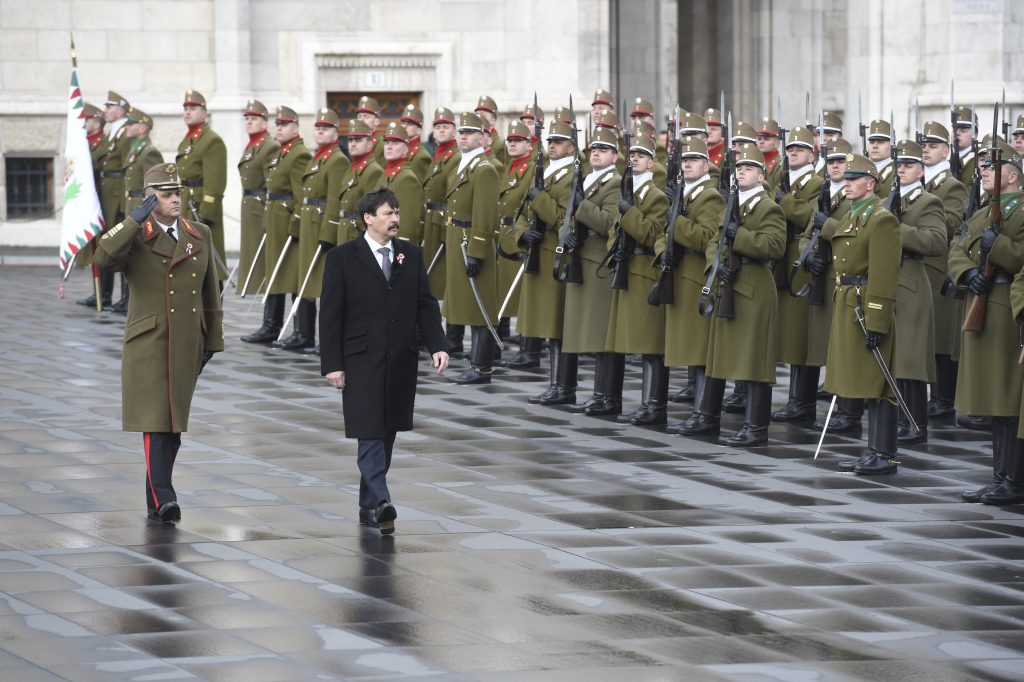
point(368, 330)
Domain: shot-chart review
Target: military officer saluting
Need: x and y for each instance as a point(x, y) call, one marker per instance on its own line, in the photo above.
point(203, 166)
point(364, 175)
point(487, 110)
point(471, 214)
point(866, 255)
point(880, 153)
point(368, 111)
point(174, 326)
point(400, 179)
point(419, 160)
point(259, 151)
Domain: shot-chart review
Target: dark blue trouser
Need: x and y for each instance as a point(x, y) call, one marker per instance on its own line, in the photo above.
point(161, 451)
point(374, 460)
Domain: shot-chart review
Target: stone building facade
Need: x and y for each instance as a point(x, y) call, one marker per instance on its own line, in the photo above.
point(305, 53)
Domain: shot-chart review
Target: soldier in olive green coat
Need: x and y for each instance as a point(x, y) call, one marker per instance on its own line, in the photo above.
point(203, 165)
point(634, 326)
point(700, 217)
point(284, 188)
point(948, 311)
point(114, 157)
point(401, 179)
point(742, 348)
point(259, 151)
point(768, 137)
point(1013, 467)
point(799, 205)
point(487, 110)
point(923, 234)
point(588, 304)
point(364, 175)
point(880, 141)
point(435, 188)
point(417, 159)
point(991, 379)
point(368, 111)
point(175, 324)
point(866, 256)
point(471, 217)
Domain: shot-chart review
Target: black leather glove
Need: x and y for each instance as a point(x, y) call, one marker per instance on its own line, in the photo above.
point(579, 193)
point(533, 193)
point(815, 264)
point(988, 238)
point(726, 274)
point(977, 282)
point(207, 355)
point(143, 210)
point(819, 219)
point(873, 340)
point(531, 237)
point(779, 196)
point(732, 228)
point(473, 266)
point(327, 246)
point(624, 205)
point(571, 241)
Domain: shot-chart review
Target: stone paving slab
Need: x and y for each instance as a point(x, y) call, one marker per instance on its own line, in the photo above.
point(533, 544)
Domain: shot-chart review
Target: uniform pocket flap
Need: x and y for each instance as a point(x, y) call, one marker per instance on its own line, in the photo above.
point(139, 327)
point(353, 347)
point(907, 281)
point(744, 289)
point(356, 333)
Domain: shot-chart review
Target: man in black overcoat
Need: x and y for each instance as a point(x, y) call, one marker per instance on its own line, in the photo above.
point(375, 297)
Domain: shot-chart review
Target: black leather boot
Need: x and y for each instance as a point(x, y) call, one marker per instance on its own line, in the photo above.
point(645, 391)
point(803, 395)
point(1011, 490)
point(106, 288)
point(736, 402)
point(121, 307)
point(755, 427)
point(944, 389)
point(657, 399)
point(706, 417)
point(273, 318)
point(504, 329)
point(528, 355)
point(554, 357)
point(845, 418)
point(481, 357)
point(599, 380)
point(455, 334)
point(974, 423)
point(848, 465)
point(915, 394)
point(1003, 440)
point(304, 335)
point(687, 392)
point(885, 458)
point(566, 369)
point(614, 368)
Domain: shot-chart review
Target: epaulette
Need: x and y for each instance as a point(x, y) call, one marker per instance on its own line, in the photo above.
point(607, 176)
point(886, 171)
point(753, 202)
point(696, 193)
point(644, 191)
point(804, 180)
point(1012, 206)
point(474, 163)
point(914, 195)
point(560, 174)
point(191, 230)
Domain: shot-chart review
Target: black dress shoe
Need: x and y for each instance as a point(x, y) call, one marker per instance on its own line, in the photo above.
point(169, 511)
point(153, 515)
point(559, 396)
point(474, 375)
point(628, 417)
point(120, 307)
point(365, 516)
point(1008, 492)
point(699, 424)
point(521, 360)
point(383, 517)
point(88, 301)
point(840, 423)
point(654, 415)
point(795, 412)
point(263, 335)
point(538, 399)
point(685, 395)
point(940, 408)
point(580, 408)
point(748, 436)
point(735, 403)
point(315, 350)
point(974, 496)
point(974, 423)
point(906, 436)
point(850, 464)
point(877, 465)
point(605, 408)
point(296, 342)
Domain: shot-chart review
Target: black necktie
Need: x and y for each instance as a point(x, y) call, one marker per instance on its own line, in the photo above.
point(385, 263)
point(170, 233)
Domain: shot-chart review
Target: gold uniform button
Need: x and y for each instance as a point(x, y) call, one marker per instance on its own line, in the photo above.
point(193, 310)
point(172, 310)
point(172, 293)
point(193, 274)
point(193, 292)
point(171, 275)
point(193, 257)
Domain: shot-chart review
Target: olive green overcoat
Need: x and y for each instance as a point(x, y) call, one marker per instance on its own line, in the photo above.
point(284, 188)
point(799, 206)
point(252, 171)
point(203, 167)
point(318, 209)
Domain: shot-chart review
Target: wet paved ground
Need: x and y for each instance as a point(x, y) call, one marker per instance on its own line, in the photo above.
point(532, 544)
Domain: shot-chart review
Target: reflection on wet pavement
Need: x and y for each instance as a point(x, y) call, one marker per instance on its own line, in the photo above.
point(532, 544)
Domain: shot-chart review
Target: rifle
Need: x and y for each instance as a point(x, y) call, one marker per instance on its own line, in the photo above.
point(533, 253)
point(723, 177)
point(622, 250)
point(861, 127)
point(724, 305)
point(779, 268)
point(664, 290)
point(955, 166)
point(572, 271)
point(973, 204)
point(974, 321)
point(672, 167)
point(815, 289)
point(894, 202)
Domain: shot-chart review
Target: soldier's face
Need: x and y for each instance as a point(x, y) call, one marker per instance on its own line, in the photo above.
point(559, 149)
point(357, 146)
point(255, 124)
point(285, 131)
point(799, 156)
point(602, 157)
point(714, 135)
point(749, 176)
point(909, 173)
point(372, 120)
point(859, 187)
point(597, 110)
point(1018, 142)
point(836, 168)
point(325, 134)
point(193, 114)
point(935, 152)
point(487, 116)
point(94, 125)
point(879, 149)
point(444, 132)
point(412, 130)
point(517, 147)
point(1009, 179)
point(470, 139)
point(382, 225)
point(113, 112)
point(738, 145)
point(395, 150)
point(963, 137)
point(694, 168)
point(767, 143)
point(642, 162)
point(135, 130)
point(168, 205)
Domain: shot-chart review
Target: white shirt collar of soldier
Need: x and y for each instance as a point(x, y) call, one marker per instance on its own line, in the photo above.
point(690, 186)
point(469, 156)
point(879, 165)
point(641, 180)
point(115, 126)
point(594, 176)
point(376, 254)
point(168, 227)
point(931, 171)
point(796, 174)
point(907, 189)
point(747, 194)
point(555, 166)
point(837, 187)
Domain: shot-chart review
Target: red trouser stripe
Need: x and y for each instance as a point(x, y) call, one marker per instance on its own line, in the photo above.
point(149, 477)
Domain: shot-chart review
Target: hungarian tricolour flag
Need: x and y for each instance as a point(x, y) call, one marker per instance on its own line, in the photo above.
point(82, 218)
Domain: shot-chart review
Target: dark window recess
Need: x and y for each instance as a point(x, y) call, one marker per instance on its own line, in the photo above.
point(29, 187)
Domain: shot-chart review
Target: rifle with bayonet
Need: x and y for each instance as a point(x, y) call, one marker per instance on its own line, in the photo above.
point(723, 177)
point(672, 166)
point(948, 288)
point(974, 320)
point(894, 202)
point(724, 303)
point(664, 290)
point(622, 250)
point(955, 166)
point(779, 274)
point(568, 266)
point(862, 127)
point(532, 263)
point(815, 289)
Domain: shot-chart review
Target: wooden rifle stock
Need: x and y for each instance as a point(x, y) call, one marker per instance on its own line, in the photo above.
point(533, 252)
point(624, 243)
point(974, 320)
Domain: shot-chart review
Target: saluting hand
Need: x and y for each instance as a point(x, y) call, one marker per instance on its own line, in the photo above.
point(440, 360)
point(143, 210)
